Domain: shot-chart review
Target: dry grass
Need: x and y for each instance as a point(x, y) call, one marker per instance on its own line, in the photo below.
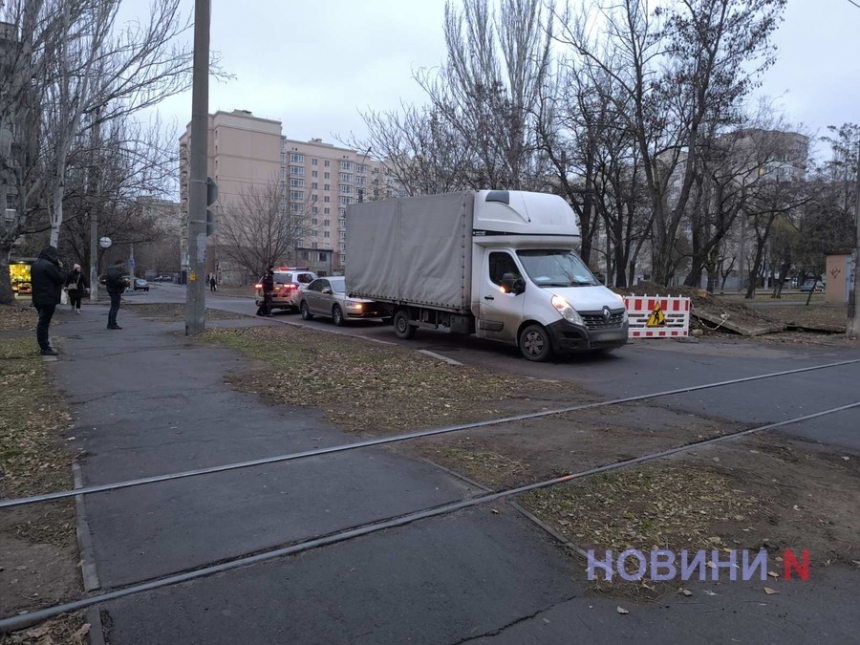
point(69, 629)
point(375, 388)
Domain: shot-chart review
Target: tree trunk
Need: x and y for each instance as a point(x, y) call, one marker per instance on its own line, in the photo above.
point(6, 295)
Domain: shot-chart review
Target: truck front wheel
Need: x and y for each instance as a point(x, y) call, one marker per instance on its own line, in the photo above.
point(535, 343)
point(402, 328)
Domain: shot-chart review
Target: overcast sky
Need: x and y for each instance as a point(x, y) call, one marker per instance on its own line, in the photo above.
point(314, 65)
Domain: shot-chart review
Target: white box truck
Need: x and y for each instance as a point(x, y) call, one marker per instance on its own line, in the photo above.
point(499, 264)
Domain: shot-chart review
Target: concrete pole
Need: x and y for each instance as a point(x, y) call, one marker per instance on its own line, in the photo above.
point(853, 328)
point(195, 294)
point(94, 211)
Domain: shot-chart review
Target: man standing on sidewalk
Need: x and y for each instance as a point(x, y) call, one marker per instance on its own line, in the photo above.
point(116, 283)
point(47, 279)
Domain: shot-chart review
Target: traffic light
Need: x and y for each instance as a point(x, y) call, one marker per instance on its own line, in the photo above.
point(211, 198)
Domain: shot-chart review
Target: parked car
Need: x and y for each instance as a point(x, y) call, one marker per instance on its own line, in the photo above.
point(327, 297)
point(163, 278)
point(812, 285)
point(289, 284)
point(141, 285)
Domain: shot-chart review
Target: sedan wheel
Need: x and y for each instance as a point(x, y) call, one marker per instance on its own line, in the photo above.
point(306, 313)
point(337, 316)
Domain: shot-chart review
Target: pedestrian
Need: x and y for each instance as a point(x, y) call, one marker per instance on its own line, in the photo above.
point(47, 279)
point(268, 283)
point(76, 286)
point(116, 283)
point(212, 283)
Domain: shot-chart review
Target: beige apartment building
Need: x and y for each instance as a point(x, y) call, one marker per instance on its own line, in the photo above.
point(318, 181)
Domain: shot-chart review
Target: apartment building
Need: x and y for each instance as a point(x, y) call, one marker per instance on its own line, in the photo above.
point(318, 181)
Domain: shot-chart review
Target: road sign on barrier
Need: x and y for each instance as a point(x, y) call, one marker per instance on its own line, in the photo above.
point(658, 316)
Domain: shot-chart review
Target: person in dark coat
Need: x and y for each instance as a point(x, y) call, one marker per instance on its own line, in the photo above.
point(268, 283)
point(212, 283)
point(115, 282)
point(47, 279)
point(76, 287)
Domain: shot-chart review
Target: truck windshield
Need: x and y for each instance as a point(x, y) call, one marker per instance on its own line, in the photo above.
point(556, 268)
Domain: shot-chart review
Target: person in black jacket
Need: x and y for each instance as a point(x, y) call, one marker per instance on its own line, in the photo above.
point(268, 282)
point(76, 286)
point(47, 279)
point(116, 283)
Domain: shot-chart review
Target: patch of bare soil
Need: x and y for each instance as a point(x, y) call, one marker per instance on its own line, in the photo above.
point(165, 312)
point(18, 317)
point(38, 549)
point(69, 629)
point(379, 388)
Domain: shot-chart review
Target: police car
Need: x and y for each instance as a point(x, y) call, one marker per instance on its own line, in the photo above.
point(289, 283)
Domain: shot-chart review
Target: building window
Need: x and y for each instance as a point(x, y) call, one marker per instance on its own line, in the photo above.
point(297, 171)
point(361, 181)
point(323, 257)
point(297, 195)
point(345, 201)
point(314, 173)
point(314, 185)
point(283, 173)
point(327, 163)
point(283, 157)
point(343, 247)
point(304, 255)
point(327, 175)
point(346, 177)
point(314, 245)
point(342, 212)
point(345, 188)
point(314, 210)
point(296, 157)
point(295, 208)
point(326, 186)
point(327, 210)
point(346, 165)
point(326, 234)
point(326, 222)
point(362, 169)
point(314, 197)
point(297, 183)
point(343, 258)
point(326, 199)
point(314, 221)
point(315, 161)
point(343, 235)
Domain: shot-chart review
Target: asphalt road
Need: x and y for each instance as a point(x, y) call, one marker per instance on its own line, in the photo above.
point(146, 402)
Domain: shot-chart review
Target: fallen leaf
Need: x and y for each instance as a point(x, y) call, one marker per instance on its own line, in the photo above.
point(773, 574)
point(770, 591)
point(708, 592)
point(495, 511)
point(686, 592)
point(83, 631)
point(621, 610)
point(38, 632)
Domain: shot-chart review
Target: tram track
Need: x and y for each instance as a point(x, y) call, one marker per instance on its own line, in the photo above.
point(317, 452)
point(247, 559)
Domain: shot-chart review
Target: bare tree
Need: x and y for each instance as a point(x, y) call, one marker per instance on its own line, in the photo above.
point(261, 227)
point(70, 67)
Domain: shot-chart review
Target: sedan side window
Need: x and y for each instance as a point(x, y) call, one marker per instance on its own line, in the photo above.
point(314, 286)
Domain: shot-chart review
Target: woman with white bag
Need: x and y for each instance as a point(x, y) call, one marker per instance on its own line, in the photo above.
point(76, 286)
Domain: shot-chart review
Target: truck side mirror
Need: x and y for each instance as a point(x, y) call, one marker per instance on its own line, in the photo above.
point(513, 284)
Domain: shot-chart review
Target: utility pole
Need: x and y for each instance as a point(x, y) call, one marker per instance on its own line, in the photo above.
point(195, 294)
point(94, 209)
point(853, 327)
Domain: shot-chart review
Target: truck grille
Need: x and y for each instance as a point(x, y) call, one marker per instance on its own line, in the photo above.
point(597, 321)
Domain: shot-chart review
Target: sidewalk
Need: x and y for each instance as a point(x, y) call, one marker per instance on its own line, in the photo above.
point(147, 402)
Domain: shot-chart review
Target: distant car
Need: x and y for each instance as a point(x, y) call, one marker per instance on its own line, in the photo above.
point(163, 278)
point(141, 285)
point(327, 297)
point(289, 284)
point(812, 285)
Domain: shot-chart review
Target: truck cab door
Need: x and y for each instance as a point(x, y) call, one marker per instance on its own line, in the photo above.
point(501, 309)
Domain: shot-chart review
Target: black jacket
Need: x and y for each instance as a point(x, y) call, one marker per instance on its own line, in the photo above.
point(46, 278)
point(115, 281)
point(268, 284)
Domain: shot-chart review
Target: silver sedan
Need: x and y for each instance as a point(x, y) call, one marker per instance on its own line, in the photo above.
point(327, 297)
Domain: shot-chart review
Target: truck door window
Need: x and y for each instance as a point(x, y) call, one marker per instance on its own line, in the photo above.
point(500, 264)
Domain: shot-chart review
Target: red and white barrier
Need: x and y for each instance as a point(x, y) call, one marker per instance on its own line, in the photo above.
point(658, 316)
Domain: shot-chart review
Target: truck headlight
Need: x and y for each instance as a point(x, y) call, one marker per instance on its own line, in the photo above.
point(567, 312)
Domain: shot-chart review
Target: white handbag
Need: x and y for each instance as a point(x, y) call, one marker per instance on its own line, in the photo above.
point(64, 297)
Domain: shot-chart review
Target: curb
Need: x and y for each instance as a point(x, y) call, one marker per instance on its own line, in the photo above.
point(536, 521)
point(88, 568)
